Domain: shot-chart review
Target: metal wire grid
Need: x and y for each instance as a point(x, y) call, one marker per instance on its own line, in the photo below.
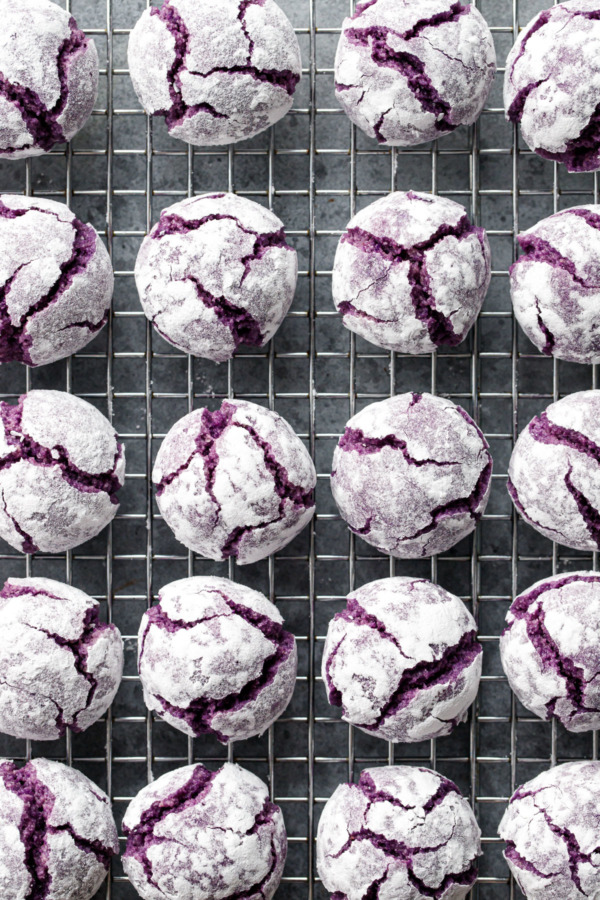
point(118, 173)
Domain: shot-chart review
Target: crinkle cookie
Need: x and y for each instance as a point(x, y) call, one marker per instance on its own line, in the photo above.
point(195, 835)
point(48, 77)
point(412, 475)
point(408, 72)
point(550, 649)
point(555, 284)
point(57, 833)
point(411, 273)
point(552, 834)
point(60, 667)
point(61, 467)
point(236, 482)
point(552, 84)
point(216, 272)
point(56, 281)
point(217, 72)
point(553, 473)
point(214, 658)
point(401, 833)
point(403, 660)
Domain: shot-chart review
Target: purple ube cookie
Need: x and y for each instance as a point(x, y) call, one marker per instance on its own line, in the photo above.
point(217, 72)
point(57, 833)
point(552, 84)
point(61, 467)
point(408, 72)
point(236, 482)
point(553, 473)
point(216, 272)
point(214, 658)
point(555, 284)
point(57, 281)
point(403, 660)
point(550, 649)
point(401, 833)
point(412, 475)
point(552, 833)
point(411, 273)
point(48, 77)
point(198, 835)
point(60, 667)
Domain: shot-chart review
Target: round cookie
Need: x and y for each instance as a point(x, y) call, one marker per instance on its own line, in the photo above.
point(411, 273)
point(552, 84)
point(216, 272)
point(395, 77)
point(217, 73)
point(400, 832)
point(412, 475)
point(552, 834)
point(550, 649)
point(555, 285)
point(236, 482)
point(403, 660)
point(553, 473)
point(57, 281)
point(57, 832)
point(214, 658)
point(61, 467)
point(48, 77)
point(194, 834)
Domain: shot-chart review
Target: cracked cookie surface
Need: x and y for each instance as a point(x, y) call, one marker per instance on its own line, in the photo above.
point(411, 273)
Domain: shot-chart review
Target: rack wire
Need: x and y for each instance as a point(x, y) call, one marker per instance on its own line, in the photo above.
point(314, 170)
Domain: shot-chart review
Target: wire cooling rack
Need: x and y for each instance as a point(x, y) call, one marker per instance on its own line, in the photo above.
point(315, 171)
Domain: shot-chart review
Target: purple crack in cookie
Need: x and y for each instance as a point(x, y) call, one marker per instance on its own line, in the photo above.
point(61, 467)
point(411, 273)
point(215, 273)
point(400, 832)
point(214, 658)
point(550, 649)
point(60, 667)
point(216, 72)
point(412, 475)
point(555, 284)
point(236, 482)
point(552, 833)
point(552, 84)
point(403, 660)
point(57, 833)
point(197, 835)
point(553, 477)
point(56, 281)
point(48, 77)
point(408, 72)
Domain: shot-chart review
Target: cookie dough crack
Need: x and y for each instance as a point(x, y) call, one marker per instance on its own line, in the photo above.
point(28, 545)
point(243, 326)
point(354, 439)
point(549, 337)
point(536, 249)
point(588, 512)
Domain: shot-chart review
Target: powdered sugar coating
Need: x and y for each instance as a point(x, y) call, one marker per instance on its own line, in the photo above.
point(236, 482)
point(403, 660)
point(48, 77)
point(198, 835)
point(214, 658)
point(408, 72)
point(61, 467)
point(218, 73)
point(552, 84)
point(412, 475)
point(552, 834)
point(56, 281)
point(57, 833)
point(216, 272)
point(411, 273)
point(553, 473)
point(400, 833)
